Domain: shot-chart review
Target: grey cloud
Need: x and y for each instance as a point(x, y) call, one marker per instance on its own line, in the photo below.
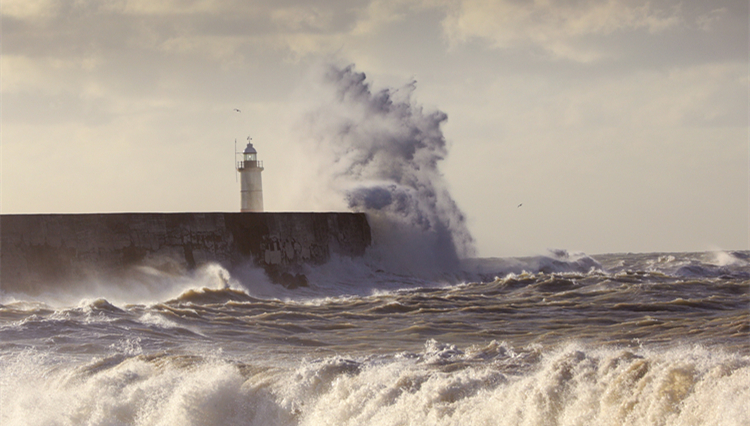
point(591, 32)
point(77, 27)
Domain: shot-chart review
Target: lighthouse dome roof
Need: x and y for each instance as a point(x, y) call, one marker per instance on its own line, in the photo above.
point(249, 149)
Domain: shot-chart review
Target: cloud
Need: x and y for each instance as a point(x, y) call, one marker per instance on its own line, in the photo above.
point(167, 7)
point(29, 9)
point(300, 18)
point(380, 13)
point(555, 27)
point(204, 28)
point(575, 30)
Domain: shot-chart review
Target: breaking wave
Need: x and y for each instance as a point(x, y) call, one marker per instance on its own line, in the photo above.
point(441, 385)
point(385, 150)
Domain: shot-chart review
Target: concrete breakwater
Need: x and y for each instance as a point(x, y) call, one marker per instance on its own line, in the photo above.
point(37, 249)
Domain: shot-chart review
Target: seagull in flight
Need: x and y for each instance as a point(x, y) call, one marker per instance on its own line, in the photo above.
point(520, 205)
point(237, 110)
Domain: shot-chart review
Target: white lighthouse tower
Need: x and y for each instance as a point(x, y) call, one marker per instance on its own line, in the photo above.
point(251, 189)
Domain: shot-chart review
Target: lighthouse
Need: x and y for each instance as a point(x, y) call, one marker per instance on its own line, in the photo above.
point(251, 189)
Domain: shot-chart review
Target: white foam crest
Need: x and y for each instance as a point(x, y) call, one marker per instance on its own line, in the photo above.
point(723, 258)
point(443, 385)
point(23, 305)
point(557, 261)
point(136, 391)
point(130, 346)
point(158, 320)
point(140, 285)
point(571, 386)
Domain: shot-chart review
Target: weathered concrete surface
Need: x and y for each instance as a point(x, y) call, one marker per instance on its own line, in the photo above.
point(40, 248)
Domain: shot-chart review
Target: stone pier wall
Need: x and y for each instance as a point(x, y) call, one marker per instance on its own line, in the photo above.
point(38, 248)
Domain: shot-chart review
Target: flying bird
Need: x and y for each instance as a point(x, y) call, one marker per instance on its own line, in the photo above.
point(520, 205)
point(237, 110)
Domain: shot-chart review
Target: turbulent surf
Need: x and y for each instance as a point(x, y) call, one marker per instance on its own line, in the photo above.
point(562, 339)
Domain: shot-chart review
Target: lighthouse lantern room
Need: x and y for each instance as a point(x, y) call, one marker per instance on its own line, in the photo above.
point(251, 187)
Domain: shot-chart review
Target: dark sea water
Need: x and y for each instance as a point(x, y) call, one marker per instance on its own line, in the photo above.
point(563, 339)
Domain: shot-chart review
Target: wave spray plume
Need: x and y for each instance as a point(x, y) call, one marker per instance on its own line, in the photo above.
point(385, 153)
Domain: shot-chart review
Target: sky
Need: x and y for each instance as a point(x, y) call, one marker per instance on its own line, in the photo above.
point(617, 126)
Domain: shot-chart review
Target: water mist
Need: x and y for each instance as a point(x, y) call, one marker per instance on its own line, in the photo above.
point(381, 155)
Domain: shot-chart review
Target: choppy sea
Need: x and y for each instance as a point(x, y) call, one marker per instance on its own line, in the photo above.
point(560, 339)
